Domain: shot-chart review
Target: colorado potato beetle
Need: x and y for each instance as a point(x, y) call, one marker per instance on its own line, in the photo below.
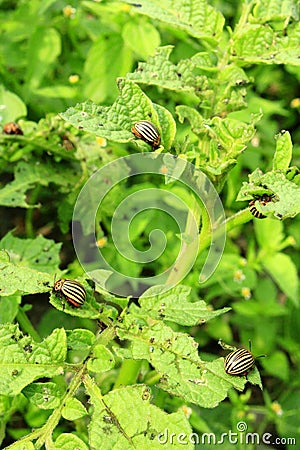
point(72, 290)
point(263, 200)
point(12, 128)
point(148, 132)
point(239, 362)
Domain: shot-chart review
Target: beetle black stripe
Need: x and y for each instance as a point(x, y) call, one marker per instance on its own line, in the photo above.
point(254, 211)
point(239, 362)
point(147, 131)
point(72, 290)
point(263, 200)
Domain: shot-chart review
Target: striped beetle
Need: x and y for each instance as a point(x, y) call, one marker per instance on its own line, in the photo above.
point(148, 132)
point(72, 290)
point(12, 128)
point(239, 362)
point(263, 200)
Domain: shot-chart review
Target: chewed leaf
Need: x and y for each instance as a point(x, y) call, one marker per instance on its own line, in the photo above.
point(196, 17)
point(43, 395)
point(174, 306)
point(28, 175)
point(115, 122)
point(112, 427)
point(257, 43)
point(102, 360)
point(23, 360)
point(90, 307)
point(286, 194)
point(266, 11)
point(17, 278)
point(40, 253)
point(160, 71)
point(175, 357)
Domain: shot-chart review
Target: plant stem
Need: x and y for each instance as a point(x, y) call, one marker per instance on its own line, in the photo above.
point(42, 434)
point(153, 379)
point(29, 228)
point(232, 222)
point(180, 268)
point(128, 372)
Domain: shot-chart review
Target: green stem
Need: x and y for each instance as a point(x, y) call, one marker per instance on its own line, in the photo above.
point(26, 325)
point(180, 268)
point(153, 378)
point(43, 433)
point(128, 373)
point(232, 222)
point(30, 211)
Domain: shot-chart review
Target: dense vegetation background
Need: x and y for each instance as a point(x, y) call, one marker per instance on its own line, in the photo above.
point(221, 82)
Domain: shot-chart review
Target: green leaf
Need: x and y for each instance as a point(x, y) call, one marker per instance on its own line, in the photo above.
point(22, 446)
point(69, 441)
point(277, 365)
point(283, 270)
point(112, 427)
point(283, 153)
point(175, 357)
point(261, 44)
point(89, 309)
point(286, 202)
point(44, 48)
point(270, 235)
point(142, 37)
point(59, 91)
point(43, 395)
point(80, 340)
point(169, 125)
point(28, 175)
point(115, 122)
point(115, 61)
point(231, 134)
point(12, 106)
point(266, 10)
point(23, 360)
point(8, 407)
point(160, 71)
point(40, 253)
point(16, 278)
point(102, 359)
point(192, 115)
point(197, 18)
point(268, 308)
point(174, 306)
point(73, 409)
point(9, 307)
point(227, 139)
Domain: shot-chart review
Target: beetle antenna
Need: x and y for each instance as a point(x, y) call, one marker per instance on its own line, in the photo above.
point(261, 356)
